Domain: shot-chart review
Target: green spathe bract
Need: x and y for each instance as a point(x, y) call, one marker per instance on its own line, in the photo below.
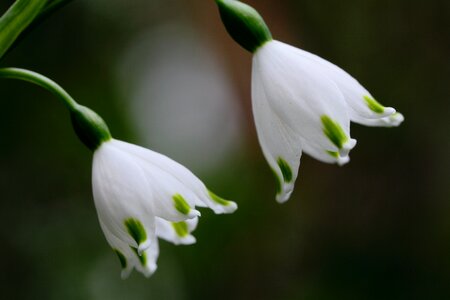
point(89, 127)
point(244, 24)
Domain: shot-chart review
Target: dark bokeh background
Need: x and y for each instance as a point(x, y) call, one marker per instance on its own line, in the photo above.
point(378, 228)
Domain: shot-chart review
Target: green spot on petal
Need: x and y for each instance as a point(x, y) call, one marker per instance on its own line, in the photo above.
point(180, 204)
point(136, 230)
point(374, 105)
point(333, 154)
point(181, 228)
point(285, 170)
point(277, 182)
point(333, 131)
point(218, 200)
point(142, 258)
point(122, 259)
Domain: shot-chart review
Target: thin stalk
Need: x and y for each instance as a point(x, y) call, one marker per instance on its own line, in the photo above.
point(42, 81)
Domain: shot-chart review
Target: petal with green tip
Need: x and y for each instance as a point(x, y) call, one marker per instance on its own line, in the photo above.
point(178, 233)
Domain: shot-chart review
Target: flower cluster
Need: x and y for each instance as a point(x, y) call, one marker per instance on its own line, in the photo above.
point(301, 103)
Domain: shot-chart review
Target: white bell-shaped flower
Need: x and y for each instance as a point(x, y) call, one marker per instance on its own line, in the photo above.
point(301, 102)
point(141, 195)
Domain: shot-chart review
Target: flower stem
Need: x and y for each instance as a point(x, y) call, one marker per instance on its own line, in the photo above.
point(42, 81)
point(16, 20)
point(88, 125)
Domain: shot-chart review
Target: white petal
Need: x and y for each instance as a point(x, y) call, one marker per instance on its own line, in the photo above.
point(393, 120)
point(129, 256)
point(170, 199)
point(299, 93)
point(356, 96)
point(196, 191)
point(122, 249)
point(176, 233)
point(326, 156)
point(146, 263)
point(121, 192)
point(280, 144)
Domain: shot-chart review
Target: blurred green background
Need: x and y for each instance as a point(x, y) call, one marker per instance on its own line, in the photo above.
point(164, 74)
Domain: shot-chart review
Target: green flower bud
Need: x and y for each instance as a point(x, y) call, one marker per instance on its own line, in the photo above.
point(89, 127)
point(244, 24)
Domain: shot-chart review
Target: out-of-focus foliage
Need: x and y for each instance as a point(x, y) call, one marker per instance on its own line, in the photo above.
point(377, 228)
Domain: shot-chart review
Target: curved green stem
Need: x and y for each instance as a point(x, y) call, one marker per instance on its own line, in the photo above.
point(42, 81)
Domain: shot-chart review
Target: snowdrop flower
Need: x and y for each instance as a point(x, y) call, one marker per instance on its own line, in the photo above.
point(141, 195)
point(301, 102)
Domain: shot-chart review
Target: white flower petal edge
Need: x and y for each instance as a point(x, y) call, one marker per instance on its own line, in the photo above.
point(363, 108)
point(281, 145)
point(293, 113)
point(141, 195)
point(303, 103)
point(121, 196)
point(178, 233)
point(199, 194)
point(130, 258)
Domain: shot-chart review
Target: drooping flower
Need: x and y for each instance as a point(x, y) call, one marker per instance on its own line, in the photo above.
point(141, 195)
point(301, 102)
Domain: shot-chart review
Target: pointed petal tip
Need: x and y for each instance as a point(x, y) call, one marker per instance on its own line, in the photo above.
point(193, 213)
point(125, 273)
point(389, 111)
point(143, 246)
point(230, 208)
point(149, 270)
point(220, 205)
point(396, 119)
point(342, 160)
point(188, 240)
point(346, 147)
point(285, 194)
